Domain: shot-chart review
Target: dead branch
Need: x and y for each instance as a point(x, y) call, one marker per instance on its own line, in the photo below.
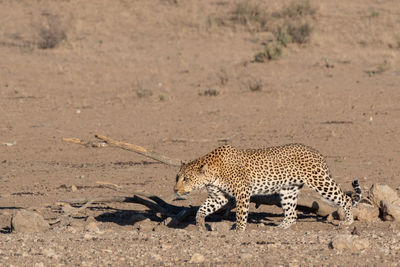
point(182, 215)
point(109, 185)
point(140, 150)
point(86, 144)
point(186, 140)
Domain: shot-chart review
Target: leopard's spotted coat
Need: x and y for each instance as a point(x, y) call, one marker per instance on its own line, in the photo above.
point(228, 171)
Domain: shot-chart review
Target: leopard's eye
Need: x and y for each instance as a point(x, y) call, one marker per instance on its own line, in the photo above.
point(184, 178)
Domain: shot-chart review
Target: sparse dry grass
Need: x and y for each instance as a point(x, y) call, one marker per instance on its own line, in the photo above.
point(52, 33)
point(251, 16)
point(295, 23)
point(292, 24)
point(209, 92)
point(296, 9)
point(300, 33)
point(271, 51)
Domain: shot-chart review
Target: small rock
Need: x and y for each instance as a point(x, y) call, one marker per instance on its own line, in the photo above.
point(355, 231)
point(339, 214)
point(390, 212)
point(49, 253)
point(92, 227)
point(67, 208)
point(72, 230)
point(74, 188)
point(221, 227)
point(246, 256)
point(366, 213)
point(166, 247)
point(156, 257)
point(379, 193)
point(167, 221)
point(88, 236)
point(330, 218)
point(90, 219)
point(28, 222)
point(146, 226)
point(197, 258)
point(349, 243)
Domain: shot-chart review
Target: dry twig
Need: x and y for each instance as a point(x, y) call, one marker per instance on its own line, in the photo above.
point(86, 144)
point(140, 150)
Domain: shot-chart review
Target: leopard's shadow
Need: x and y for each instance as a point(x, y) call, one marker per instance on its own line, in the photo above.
point(129, 217)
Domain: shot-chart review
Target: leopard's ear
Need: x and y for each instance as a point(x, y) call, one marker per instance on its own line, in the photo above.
point(203, 168)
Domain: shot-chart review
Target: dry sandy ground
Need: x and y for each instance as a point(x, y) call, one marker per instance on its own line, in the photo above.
point(145, 72)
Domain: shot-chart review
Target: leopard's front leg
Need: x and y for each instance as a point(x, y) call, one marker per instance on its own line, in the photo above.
point(215, 200)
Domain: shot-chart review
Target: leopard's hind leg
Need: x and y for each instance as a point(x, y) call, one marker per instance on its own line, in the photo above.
point(331, 191)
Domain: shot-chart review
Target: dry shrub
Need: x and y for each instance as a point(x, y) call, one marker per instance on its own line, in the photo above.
point(209, 92)
point(297, 9)
point(296, 26)
point(272, 50)
point(251, 16)
point(300, 33)
point(52, 33)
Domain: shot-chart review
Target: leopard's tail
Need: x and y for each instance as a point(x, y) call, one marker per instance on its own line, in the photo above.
point(356, 197)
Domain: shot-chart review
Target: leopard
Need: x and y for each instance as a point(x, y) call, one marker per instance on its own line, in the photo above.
point(229, 173)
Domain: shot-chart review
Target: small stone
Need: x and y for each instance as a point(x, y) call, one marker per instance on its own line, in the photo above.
point(366, 213)
point(349, 243)
point(197, 258)
point(379, 193)
point(166, 247)
point(330, 218)
point(88, 236)
point(146, 226)
point(221, 227)
point(71, 230)
point(167, 221)
point(49, 253)
point(28, 222)
point(341, 215)
point(90, 219)
point(355, 231)
point(246, 256)
point(92, 227)
point(74, 188)
point(67, 208)
point(156, 257)
point(390, 212)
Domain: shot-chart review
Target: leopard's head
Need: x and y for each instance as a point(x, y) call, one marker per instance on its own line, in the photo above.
point(192, 176)
point(203, 171)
